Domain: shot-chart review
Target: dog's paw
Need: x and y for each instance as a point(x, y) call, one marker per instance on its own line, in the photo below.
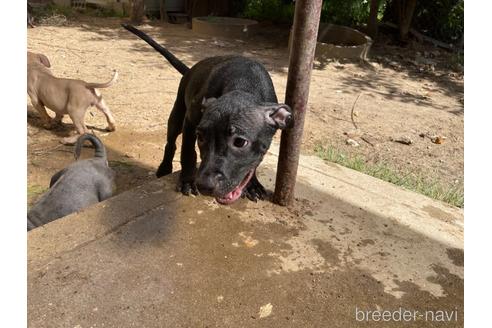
point(111, 128)
point(163, 170)
point(188, 188)
point(69, 140)
point(255, 190)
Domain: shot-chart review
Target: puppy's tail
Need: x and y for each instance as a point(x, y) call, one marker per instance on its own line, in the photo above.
point(175, 62)
point(98, 145)
point(104, 85)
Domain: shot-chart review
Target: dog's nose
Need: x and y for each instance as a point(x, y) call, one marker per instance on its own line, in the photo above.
point(207, 183)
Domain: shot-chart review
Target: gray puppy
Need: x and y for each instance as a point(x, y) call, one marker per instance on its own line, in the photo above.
point(77, 186)
point(228, 105)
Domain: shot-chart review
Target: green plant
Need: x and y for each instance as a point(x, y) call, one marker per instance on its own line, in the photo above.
point(273, 10)
point(104, 12)
point(349, 12)
point(50, 10)
point(345, 12)
point(415, 181)
point(441, 19)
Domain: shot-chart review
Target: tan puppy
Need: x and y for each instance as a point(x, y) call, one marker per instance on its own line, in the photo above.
point(38, 58)
point(64, 96)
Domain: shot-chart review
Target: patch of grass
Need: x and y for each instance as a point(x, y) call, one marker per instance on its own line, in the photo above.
point(121, 164)
point(272, 10)
point(414, 181)
point(43, 12)
point(34, 190)
point(53, 14)
point(104, 12)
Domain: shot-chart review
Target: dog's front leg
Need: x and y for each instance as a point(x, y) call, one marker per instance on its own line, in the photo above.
point(188, 160)
point(45, 118)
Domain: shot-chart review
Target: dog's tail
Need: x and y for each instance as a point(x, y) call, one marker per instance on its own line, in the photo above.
point(105, 84)
point(175, 62)
point(98, 145)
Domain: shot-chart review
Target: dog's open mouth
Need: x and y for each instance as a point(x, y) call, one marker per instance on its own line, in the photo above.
point(232, 196)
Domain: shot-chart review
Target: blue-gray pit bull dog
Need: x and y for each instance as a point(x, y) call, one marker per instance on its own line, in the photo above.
point(228, 105)
point(77, 186)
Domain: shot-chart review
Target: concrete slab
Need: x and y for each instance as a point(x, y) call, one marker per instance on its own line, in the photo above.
point(350, 243)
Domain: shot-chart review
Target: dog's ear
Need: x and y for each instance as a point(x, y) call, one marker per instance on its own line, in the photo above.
point(206, 102)
point(279, 116)
point(44, 60)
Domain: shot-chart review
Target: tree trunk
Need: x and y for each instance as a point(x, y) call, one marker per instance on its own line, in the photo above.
point(405, 10)
point(372, 24)
point(163, 12)
point(138, 8)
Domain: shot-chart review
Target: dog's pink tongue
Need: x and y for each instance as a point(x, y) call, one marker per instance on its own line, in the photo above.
point(236, 193)
point(231, 197)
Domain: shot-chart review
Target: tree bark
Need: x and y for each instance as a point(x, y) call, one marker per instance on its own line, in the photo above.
point(138, 8)
point(405, 10)
point(372, 24)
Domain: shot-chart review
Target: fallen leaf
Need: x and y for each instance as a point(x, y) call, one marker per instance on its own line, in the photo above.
point(438, 139)
point(266, 310)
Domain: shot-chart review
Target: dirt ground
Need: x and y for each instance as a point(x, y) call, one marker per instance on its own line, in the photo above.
point(403, 93)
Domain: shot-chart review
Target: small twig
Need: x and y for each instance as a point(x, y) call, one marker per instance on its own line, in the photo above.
point(43, 151)
point(352, 111)
point(65, 150)
point(366, 140)
point(353, 121)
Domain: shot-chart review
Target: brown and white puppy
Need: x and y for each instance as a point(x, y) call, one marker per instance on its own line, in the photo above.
point(64, 96)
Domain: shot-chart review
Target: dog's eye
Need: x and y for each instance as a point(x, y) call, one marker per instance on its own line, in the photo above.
point(240, 142)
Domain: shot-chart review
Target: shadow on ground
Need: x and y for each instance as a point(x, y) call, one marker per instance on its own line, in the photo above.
point(418, 62)
point(269, 46)
point(46, 155)
point(157, 256)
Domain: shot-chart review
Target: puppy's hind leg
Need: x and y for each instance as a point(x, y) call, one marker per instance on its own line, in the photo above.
point(174, 128)
point(77, 117)
point(101, 105)
point(188, 160)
